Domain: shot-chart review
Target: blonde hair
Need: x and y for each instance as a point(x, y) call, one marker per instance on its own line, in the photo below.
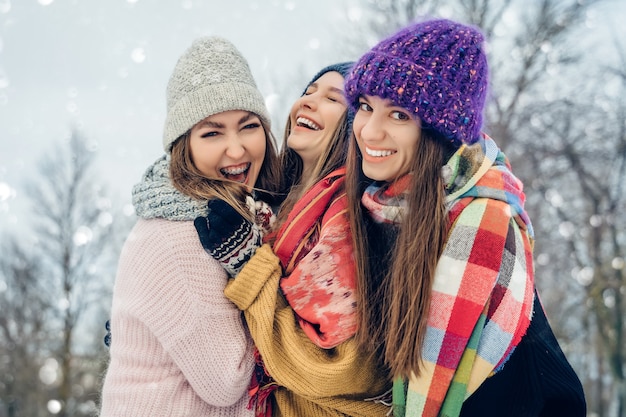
point(188, 179)
point(394, 298)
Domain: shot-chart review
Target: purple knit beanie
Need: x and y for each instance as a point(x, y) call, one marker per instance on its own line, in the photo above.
point(436, 70)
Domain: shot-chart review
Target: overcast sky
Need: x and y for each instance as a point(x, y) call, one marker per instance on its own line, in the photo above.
point(103, 66)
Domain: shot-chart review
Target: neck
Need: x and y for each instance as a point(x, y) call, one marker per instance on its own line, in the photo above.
point(307, 169)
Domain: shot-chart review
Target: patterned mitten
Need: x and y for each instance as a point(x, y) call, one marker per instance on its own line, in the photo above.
point(227, 236)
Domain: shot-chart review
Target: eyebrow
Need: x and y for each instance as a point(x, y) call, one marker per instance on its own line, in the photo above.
point(332, 89)
point(247, 117)
point(386, 102)
point(216, 125)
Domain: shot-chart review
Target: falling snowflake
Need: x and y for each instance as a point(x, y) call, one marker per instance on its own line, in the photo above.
point(138, 55)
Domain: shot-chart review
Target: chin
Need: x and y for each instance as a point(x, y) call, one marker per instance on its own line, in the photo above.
point(375, 175)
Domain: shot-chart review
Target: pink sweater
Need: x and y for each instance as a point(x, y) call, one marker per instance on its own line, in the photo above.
point(179, 346)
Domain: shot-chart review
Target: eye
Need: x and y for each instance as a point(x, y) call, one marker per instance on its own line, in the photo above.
point(209, 134)
point(310, 90)
point(338, 98)
point(363, 106)
point(253, 125)
point(398, 115)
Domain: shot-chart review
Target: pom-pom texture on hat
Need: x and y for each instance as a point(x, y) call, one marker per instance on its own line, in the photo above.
point(436, 70)
point(209, 78)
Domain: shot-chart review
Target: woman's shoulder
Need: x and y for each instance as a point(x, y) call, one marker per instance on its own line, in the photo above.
point(474, 211)
point(160, 241)
point(158, 233)
point(171, 230)
point(159, 252)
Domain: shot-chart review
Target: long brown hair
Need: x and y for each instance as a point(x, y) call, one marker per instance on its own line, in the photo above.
point(334, 156)
point(188, 179)
point(394, 302)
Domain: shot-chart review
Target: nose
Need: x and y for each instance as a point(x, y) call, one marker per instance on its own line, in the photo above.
point(235, 148)
point(371, 129)
point(309, 101)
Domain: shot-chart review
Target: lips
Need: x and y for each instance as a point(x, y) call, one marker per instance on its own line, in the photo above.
point(237, 173)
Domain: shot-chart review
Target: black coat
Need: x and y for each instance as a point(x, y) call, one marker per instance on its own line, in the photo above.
point(536, 381)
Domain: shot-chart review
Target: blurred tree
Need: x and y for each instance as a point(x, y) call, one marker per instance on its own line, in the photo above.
point(587, 151)
point(57, 286)
point(73, 225)
point(23, 331)
point(558, 112)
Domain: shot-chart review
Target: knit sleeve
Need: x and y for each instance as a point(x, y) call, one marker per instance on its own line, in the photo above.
point(304, 369)
point(171, 286)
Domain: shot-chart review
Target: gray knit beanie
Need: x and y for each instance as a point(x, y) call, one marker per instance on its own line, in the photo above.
point(210, 77)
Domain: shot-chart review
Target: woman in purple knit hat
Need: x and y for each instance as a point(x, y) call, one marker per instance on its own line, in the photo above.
point(443, 245)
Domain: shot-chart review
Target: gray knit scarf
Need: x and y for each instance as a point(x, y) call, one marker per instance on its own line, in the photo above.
point(156, 197)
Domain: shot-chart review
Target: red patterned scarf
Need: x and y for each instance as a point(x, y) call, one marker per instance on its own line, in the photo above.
point(315, 249)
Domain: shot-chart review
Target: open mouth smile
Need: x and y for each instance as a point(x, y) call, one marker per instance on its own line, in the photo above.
point(378, 153)
point(307, 123)
point(237, 173)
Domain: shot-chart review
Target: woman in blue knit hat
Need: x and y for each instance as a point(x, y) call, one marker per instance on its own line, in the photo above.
point(297, 291)
point(443, 245)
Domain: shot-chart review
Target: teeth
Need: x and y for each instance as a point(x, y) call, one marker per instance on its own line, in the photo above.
point(376, 153)
point(235, 170)
point(308, 123)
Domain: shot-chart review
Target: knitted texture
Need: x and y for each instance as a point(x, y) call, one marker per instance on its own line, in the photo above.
point(179, 347)
point(156, 197)
point(210, 77)
point(436, 70)
point(227, 236)
point(342, 68)
point(313, 382)
point(482, 295)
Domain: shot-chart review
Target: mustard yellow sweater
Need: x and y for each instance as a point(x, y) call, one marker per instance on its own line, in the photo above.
point(314, 382)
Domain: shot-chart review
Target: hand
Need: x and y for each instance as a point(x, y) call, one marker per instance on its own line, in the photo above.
point(227, 236)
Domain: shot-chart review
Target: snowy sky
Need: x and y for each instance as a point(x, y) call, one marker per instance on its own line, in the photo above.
point(103, 66)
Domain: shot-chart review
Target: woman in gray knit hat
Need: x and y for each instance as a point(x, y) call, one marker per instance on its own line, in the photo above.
point(179, 346)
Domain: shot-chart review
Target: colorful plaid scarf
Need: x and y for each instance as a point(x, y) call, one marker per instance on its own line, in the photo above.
point(315, 249)
point(482, 294)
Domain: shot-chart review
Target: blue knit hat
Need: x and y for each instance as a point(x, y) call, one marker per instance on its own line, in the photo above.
point(342, 68)
point(437, 70)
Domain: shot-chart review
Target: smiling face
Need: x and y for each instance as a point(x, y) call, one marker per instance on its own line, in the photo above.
point(387, 137)
point(229, 145)
point(315, 116)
